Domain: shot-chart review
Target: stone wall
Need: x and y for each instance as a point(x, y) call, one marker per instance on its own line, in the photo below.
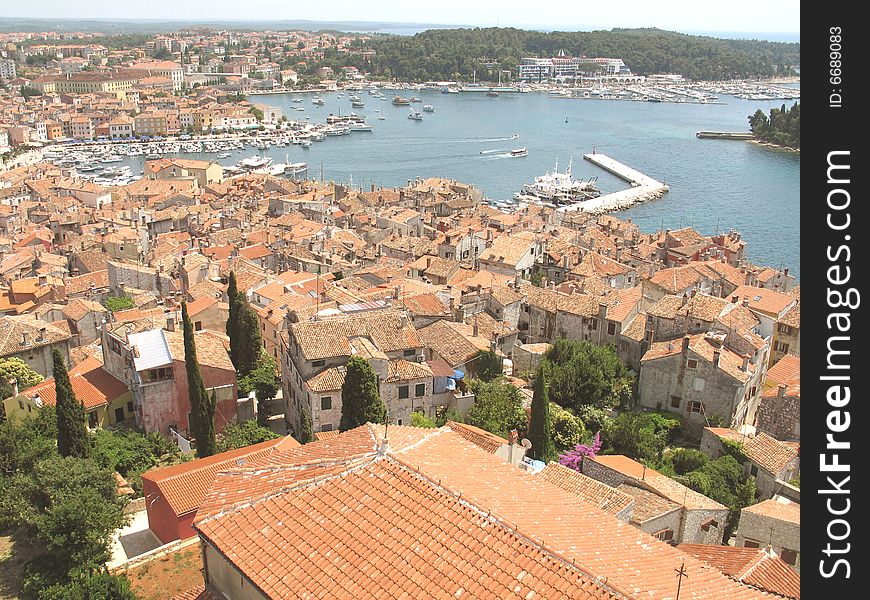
point(765, 530)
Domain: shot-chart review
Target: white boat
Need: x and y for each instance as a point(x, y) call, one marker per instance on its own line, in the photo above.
point(224, 155)
point(415, 115)
point(558, 188)
point(255, 162)
point(318, 101)
point(306, 144)
point(381, 118)
point(428, 108)
point(152, 156)
point(520, 152)
point(360, 127)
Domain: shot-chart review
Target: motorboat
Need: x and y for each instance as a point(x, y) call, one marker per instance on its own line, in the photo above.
point(428, 108)
point(520, 152)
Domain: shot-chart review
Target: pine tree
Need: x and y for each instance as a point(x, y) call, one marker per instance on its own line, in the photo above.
point(232, 320)
point(360, 401)
point(202, 406)
point(249, 340)
point(540, 434)
point(72, 434)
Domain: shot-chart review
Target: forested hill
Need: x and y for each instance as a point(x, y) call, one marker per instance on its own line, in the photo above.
point(445, 54)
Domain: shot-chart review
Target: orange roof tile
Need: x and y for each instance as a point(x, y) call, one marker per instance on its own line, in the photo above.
point(752, 566)
point(593, 492)
point(481, 438)
point(92, 385)
point(185, 485)
point(777, 509)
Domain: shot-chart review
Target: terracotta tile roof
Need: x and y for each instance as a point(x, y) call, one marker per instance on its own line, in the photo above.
point(593, 492)
point(200, 304)
point(396, 513)
point(763, 300)
point(92, 385)
point(647, 505)
point(185, 485)
point(598, 265)
point(196, 593)
point(210, 350)
point(454, 342)
point(82, 283)
point(792, 317)
point(636, 329)
point(622, 302)
point(425, 305)
point(679, 279)
point(328, 380)
point(661, 484)
point(325, 435)
point(479, 437)
point(767, 452)
point(12, 330)
point(404, 370)
point(729, 361)
point(789, 512)
point(78, 308)
point(389, 330)
point(752, 566)
point(786, 371)
point(508, 249)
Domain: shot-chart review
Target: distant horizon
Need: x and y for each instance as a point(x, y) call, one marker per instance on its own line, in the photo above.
point(406, 27)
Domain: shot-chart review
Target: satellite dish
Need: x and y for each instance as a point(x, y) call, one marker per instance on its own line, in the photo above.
point(526, 444)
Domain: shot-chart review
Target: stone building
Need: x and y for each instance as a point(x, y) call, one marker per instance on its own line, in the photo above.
point(774, 524)
point(665, 508)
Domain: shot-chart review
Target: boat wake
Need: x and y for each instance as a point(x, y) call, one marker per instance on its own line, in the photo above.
point(502, 150)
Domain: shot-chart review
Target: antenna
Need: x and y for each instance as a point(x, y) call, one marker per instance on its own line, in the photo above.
point(681, 572)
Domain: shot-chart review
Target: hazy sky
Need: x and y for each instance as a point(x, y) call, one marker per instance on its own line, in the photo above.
point(677, 15)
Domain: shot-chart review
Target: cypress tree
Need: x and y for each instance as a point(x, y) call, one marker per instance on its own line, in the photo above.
point(72, 434)
point(232, 320)
point(249, 340)
point(306, 432)
point(360, 401)
point(540, 428)
point(202, 406)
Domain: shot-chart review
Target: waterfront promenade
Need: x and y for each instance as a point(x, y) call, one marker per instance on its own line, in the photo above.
point(643, 188)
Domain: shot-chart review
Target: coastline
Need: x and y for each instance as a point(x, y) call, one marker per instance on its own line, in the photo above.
point(773, 146)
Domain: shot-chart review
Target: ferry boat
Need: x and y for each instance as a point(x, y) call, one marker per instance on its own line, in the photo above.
point(428, 108)
point(399, 101)
point(519, 152)
point(558, 188)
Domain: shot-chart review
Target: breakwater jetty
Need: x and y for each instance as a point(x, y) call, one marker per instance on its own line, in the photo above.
point(643, 188)
point(725, 135)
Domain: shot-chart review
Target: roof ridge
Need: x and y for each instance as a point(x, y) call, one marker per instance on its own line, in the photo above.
point(760, 557)
point(505, 524)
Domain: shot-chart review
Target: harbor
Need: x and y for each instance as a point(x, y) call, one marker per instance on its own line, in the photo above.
point(643, 188)
point(725, 135)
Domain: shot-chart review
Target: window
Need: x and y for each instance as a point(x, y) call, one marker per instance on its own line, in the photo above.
point(675, 401)
point(706, 525)
point(753, 470)
point(318, 363)
point(326, 403)
point(130, 408)
point(326, 427)
point(611, 328)
point(197, 326)
point(750, 544)
point(398, 421)
point(691, 364)
point(119, 415)
point(664, 534)
point(404, 392)
point(789, 556)
point(694, 406)
point(594, 324)
point(410, 352)
point(698, 384)
point(92, 419)
point(419, 390)
point(155, 375)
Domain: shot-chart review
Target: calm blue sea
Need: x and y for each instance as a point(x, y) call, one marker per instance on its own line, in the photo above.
point(714, 184)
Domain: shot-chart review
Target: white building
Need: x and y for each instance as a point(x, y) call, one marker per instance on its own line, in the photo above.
point(7, 68)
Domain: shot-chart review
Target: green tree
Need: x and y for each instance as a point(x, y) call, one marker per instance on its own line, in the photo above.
point(497, 407)
point(306, 430)
point(641, 436)
point(360, 401)
point(245, 434)
point(26, 442)
point(249, 339)
point(70, 506)
point(489, 365)
point(582, 374)
point(72, 433)
point(263, 379)
point(568, 430)
point(100, 585)
point(202, 406)
point(15, 368)
point(540, 425)
point(418, 419)
point(232, 294)
point(116, 303)
point(258, 114)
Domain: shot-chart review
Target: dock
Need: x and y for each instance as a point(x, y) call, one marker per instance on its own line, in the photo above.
point(643, 188)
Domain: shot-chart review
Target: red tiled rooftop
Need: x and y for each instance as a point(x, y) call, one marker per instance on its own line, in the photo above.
point(752, 566)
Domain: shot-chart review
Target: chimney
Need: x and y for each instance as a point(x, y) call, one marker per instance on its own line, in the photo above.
point(43, 280)
point(476, 330)
point(41, 336)
point(13, 383)
point(746, 302)
point(602, 311)
point(170, 322)
point(25, 338)
point(692, 293)
point(684, 300)
point(686, 340)
point(517, 281)
point(716, 354)
point(745, 364)
point(785, 271)
point(780, 391)
point(735, 299)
